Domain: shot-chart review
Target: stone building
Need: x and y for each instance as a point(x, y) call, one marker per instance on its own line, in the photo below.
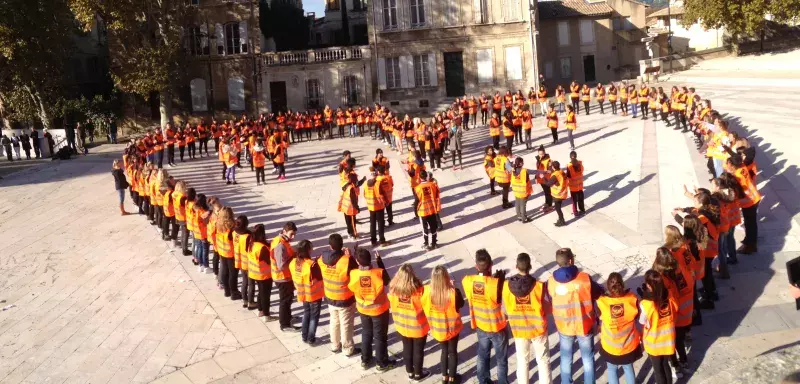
point(429, 51)
point(590, 41)
point(684, 39)
point(328, 30)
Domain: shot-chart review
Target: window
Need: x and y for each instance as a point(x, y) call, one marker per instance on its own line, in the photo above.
point(422, 77)
point(236, 94)
point(480, 9)
point(198, 40)
point(332, 5)
point(389, 14)
point(623, 24)
point(417, 13)
point(198, 90)
point(351, 92)
point(195, 2)
point(511, 10)
point(313, 94)
point(566, 68)
point(587, 31)
point(563, 33)
point(393, 72)
point(513, 63)
point(485, 66)
point(548, 70)
point(233, 41)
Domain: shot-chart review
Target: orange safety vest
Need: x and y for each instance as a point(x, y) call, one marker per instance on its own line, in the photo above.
point(408, 315)
point(335, 278)
point(612, 95)
point(527, 120)
point(367, 287)
point(643, 95)
point(575, 177)
point(525, 313)
point(488, 166)
point(180, 212)
point(600, 94)
point(572, 305)
point(752, 196)
point(494, 127)
point(585, 94)
point(552, 120)
point(500, 173)
point(190, 221)
point(372, 195)
point(445, 323)
point(559, 190)
point(169, 207)
point(572, 122)
point(682, 289)
point(574, 89)
point(484, 311)
point(223, 245)
point(240, 251)
point(308, 289)
point(277, 273)
point(387, 187)
point(659, 332)
point(712, 246)
point(543, 165)
point(507, 131)
point(256, 268)
point(259, 159)
point(345, 205)
point(618, 334)
point(521, 185)
point(427, 199)
point(200, 225)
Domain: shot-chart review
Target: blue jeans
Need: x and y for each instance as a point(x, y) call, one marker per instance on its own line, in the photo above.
point(718, 169)
point(634, 108)
point(121, 193)
point(201, 252)
point(353, 130)
point(613, 375)
point(586, 346)
point(498, 340)
point(230, 173)
point(730, 244)
point(308, 330)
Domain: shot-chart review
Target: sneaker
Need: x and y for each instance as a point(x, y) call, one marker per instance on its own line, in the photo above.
point(353, 352)
point(431, 247)
point(421, 377)
point(676, 374)
point(390, 364)
point(336, 350)
point(365, 365)
point(291, 329)
point(270, 319)
point(560, 223)
point(200, 268)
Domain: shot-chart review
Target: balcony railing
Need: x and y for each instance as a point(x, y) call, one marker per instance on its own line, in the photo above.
point(324, 55)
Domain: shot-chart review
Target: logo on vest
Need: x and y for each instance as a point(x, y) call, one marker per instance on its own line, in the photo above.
point(404, 299)
point(665, 311)
point(478, 288)
point(523, 300)
point(365, 282)
point(617, 311)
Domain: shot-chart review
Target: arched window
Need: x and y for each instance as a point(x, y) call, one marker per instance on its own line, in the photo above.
point(236, 94)
point(199, 100)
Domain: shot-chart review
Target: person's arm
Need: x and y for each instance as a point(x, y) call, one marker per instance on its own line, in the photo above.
point(459, 300)
point(354, 199)
point(386, 277)
point(280, 258)
point(361, 182)
point(597, 290)
point(316, 272)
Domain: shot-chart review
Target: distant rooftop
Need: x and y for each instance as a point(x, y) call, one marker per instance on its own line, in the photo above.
point(572, 8)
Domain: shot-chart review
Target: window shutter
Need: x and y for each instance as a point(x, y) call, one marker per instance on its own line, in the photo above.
point(406, 71)
point(243, 35)
point(220, 33)
point(377, 9)
point(204, 38)
point(476, 11)
point(381, 73)
point(432, 68)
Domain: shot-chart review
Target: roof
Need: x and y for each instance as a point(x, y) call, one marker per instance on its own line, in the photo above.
point(663, 12)
point(572, 8)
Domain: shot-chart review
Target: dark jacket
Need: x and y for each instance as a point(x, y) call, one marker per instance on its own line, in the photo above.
point(120, 181)
point(521, 285)
point(329, 258)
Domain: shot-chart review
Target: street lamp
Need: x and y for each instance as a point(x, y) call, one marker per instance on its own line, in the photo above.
point(534, 46)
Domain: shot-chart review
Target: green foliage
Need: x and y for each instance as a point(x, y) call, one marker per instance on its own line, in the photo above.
point(739, 17)
point(35, 42)
point(288, 25)
point(264, 16)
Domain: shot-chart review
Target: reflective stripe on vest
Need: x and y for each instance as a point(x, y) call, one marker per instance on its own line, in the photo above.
point(559, 189)
point(367, 287)
point(335, 278)
point(257, 269)
point(619, 335)
point(484, 310)
point(572, 305)
point(239, 251)
point(659, 332)
point(520, 184)
point(576, 177)
point(223, 246)
point(427, 200)
point(500, 173)
point(525, 314)
point(371, 194)
point(444, 324)
point(307, 290)
point(277, 273)
point(409, 318)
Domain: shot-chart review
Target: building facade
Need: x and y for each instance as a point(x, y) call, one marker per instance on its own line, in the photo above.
point(429, 51)
point(589, 42)
point(684, 39)
point(329, 31)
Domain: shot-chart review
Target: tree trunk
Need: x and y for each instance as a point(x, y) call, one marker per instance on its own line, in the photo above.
point(165, 106)
point(41, 109)
point(4, 122)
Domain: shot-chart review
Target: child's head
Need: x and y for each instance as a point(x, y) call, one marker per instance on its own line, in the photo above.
point(573, 155)
point(363, 257)
point(483, 261)
point(565, 257)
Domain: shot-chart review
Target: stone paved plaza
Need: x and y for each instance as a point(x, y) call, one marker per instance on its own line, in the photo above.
point(99, 298)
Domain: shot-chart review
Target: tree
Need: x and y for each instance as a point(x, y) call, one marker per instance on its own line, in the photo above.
point(145, 41)
point(289, 25)
point(739, 17)
point(35, 43)
point(345, 26)
point(264, 18)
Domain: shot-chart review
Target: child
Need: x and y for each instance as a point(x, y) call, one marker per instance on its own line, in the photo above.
point(259, 160)
point(201, 245)
point(657, 317)
point(307, 279)
point(521, 185)
point(280, 158)
point(368, 286)
point(575, 176)
point(405, 293)
point(230, 154)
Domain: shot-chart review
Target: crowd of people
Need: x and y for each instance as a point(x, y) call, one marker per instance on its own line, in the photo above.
point(656, 319)
point(14, 146)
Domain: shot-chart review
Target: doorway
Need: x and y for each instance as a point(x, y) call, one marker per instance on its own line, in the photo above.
point(454, 73)
point(588, 69)
point(277, 94)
